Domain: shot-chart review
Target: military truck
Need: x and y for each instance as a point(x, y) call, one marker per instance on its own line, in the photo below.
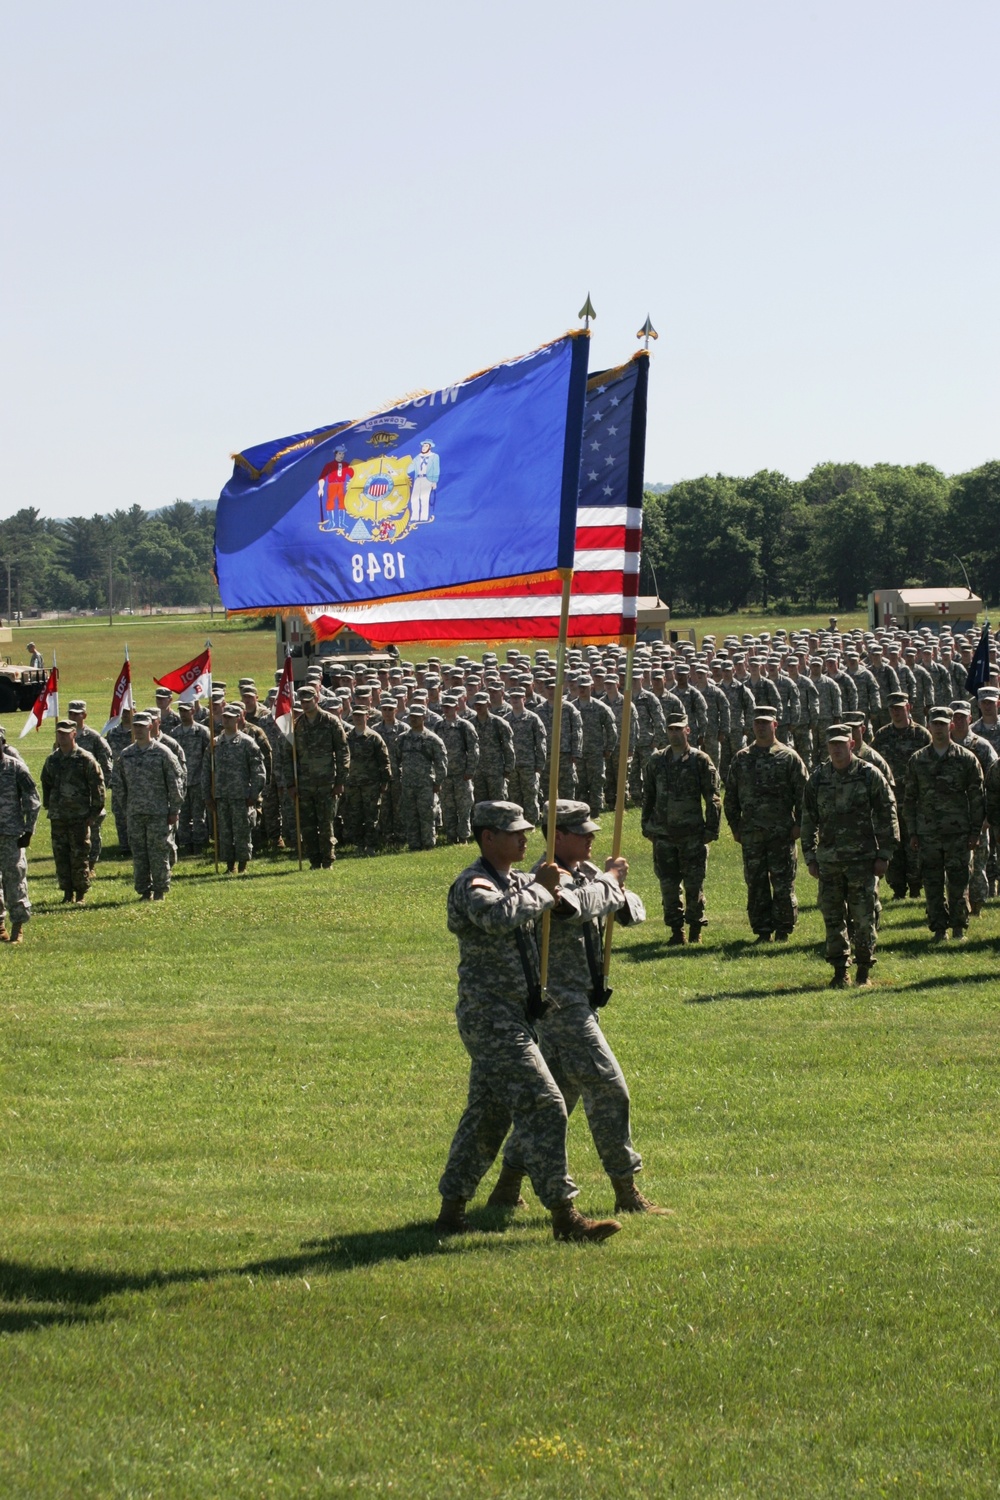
point(354, 650)
point(19, 686)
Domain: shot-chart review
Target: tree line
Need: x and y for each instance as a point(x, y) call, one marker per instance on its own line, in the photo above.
point(141, 558)
point(720, 544)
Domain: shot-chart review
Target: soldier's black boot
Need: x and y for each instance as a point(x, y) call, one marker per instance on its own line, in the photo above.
point(507, 1192)
point(862, 978)
point(15, 932)
point(840, 980)
point(676, 938)
point(241, 867)
point(763, 937)
point(569, 1224)
point(629, 1200)
point(915, 890)
point(694, 934)
point(451, 1219)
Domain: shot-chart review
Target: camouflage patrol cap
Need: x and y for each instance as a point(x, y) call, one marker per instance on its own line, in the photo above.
point(78, 706)
point(838, 732)
point(764, 712)
point(897, 698)
point(940, 716)
point(571, 817)
point(162, 692)
point(218, 693)
point(418, 710)
point(501, 817)
point(359, 710)
point(450, 700)
point(138, 721)
point(230, 711)
point(677, 721)
point(480, 700)
point(516, 690)
point(247, 684)
point(154, 714)
point(988, 694)
point(307, 691)
point(584, 679)
point(961, 706)
point(65, 725)
point(186, 707)
point(852, 717)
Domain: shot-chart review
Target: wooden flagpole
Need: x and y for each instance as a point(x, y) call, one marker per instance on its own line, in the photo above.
point(211, 756)
point(557, 718)
point(623, 744)
point(295, 778)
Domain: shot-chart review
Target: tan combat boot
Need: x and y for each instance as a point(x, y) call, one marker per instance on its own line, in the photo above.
point(451, 1219)
point(4, 938)
point(15, 932)
point(694, 934)
point(507, 1192)
point(840, 980)
point(629, 1200)
point(569, 1224)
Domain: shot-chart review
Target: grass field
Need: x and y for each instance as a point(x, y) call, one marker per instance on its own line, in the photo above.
point(223, 1123)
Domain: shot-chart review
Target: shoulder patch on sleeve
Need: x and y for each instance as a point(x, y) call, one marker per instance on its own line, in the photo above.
point(479, 884)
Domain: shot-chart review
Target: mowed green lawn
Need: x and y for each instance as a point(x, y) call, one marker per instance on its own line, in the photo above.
point(224, 1119)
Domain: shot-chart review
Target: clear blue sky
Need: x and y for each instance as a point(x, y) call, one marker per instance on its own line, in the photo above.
point(228, 221)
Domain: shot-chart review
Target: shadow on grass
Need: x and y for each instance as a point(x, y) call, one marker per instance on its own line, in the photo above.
point(779, 992)
point(36, 1297)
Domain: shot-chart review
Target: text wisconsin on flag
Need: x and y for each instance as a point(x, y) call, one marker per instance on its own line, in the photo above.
point(608, 544)
point(472, 483)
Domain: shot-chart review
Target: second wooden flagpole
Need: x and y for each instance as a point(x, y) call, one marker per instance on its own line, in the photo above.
point(557, 717)
point(623, 743)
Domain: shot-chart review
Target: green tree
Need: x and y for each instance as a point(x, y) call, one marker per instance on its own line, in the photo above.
point(710, 559)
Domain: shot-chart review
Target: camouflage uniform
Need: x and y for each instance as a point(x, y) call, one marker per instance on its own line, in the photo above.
point(887, 682)
point(907, 682)
point(765, 695)
point(274, 801)
point(652, 735)
point(789, 709)
point(945, 808)
point(569, 1034)
point(73, 796)
point(509, 1080)
point(193, 739)
point(831, 706)
point(530, 749)
point(19, 803)
point(693, 704)
point(988, 732)
point(239, 781)
point(924, 700)
point(944, 689)
point(496, 758)
point(848, 693)
point(896, 746)
point(390, 820)
point(992, 793)
point(367, 782)
point(97, 746)
point(150, 786)
point(848, 822)
point(570, 745)
point(600, 737)
point(718, 723)
point(763, 807)
point(118, 738)
point(979, 885)
point(869, 699)
point(461, 743)
point(323, 763)
point(423, 765)
point(741, 707)
point(802, 731)
point(675, 788)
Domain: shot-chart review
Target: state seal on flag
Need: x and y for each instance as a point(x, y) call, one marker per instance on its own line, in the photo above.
point(379, 499)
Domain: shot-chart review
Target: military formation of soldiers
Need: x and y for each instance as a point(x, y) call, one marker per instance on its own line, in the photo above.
point(397, 756)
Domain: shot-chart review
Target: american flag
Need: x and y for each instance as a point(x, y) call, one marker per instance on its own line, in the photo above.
point(604, 596)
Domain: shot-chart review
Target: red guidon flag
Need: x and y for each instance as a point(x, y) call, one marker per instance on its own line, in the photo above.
point(121, 698)
point(283, 702)
point(45, 706)
point(192, 681)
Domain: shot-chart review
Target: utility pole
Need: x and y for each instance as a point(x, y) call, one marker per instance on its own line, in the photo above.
point(8, 564)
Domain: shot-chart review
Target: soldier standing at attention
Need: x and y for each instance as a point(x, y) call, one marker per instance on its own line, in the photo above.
point(423, 766)
point(528, 733)
point(367, 783)
point(19, 803)
point(169, 719)
point(681, 812)
point(323, 763)
point(763, 807)
point(150, 786)
point(390, 823)
point(569, 1033)
point(461, 745)
point(73, 796)
point(193, 739)
point(97, 746)
point(849, 830)
point(616, 703)
point(896, 743)
point(118, 738)
point(945, 809)
point(571, 738)
point(809, 710)
point(239, 781)
point(493, 910)
point(496, 751)
point(979, 884)
point(600, 737)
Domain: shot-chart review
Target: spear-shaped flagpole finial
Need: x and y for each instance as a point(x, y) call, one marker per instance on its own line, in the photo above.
point(647, 332)
point(587, 312)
